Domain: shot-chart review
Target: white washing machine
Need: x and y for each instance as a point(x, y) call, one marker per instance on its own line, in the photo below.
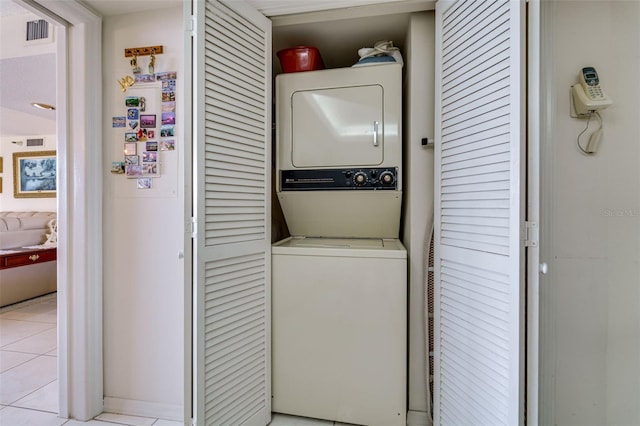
point(339, 312)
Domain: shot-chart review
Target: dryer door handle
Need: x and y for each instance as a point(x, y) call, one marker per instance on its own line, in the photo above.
point(376, 125)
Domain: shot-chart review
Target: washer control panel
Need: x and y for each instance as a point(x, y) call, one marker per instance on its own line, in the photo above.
point(381, 178)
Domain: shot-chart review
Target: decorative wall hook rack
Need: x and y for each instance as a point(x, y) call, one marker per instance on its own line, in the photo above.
point(142, 51)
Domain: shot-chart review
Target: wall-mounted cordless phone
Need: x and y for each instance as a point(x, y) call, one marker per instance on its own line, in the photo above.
point(588, 96)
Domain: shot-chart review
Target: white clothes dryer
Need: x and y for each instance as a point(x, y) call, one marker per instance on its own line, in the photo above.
point(339, 151)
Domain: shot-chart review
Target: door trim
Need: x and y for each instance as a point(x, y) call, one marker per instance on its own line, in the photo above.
point(533, 210)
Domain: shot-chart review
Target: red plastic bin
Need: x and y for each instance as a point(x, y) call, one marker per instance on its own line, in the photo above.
point(300, 58)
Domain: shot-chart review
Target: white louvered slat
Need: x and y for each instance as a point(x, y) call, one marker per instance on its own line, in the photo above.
point(478, 213)
point(222, 93)
point(473, 26)
point(479, 33)
point(226, 129)
point(478, 149)
point(234, 308)
point(233, 108)
point(475, 87)
point(232, 141)
point(239, 85)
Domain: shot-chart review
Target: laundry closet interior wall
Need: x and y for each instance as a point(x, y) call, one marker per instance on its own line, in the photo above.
point(338, 40)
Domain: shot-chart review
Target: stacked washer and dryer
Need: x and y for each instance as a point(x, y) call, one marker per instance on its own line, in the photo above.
point(339, 292)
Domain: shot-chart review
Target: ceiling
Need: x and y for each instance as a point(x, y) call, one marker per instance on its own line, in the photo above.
point(24, 78)
point(28, 78)
point(267, 7)
point(120, 7)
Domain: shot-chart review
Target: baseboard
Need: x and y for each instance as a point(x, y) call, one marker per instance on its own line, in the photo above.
point(418, 418)
point(132, 407)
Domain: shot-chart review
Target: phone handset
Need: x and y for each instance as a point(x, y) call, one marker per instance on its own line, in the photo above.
point(588, 96)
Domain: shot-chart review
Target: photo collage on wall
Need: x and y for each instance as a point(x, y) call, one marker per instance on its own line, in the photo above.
point(147, 133)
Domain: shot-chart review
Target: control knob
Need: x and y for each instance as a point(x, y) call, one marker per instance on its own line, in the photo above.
point(387, 178)
point(359, 179)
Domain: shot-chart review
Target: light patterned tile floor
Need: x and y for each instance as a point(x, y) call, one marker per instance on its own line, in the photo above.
point(28, 362)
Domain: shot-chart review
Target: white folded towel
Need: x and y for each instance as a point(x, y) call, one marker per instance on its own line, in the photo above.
point(384, 47)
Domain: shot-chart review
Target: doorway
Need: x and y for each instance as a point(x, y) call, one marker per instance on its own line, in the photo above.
point(79, 201)
point(28, 348)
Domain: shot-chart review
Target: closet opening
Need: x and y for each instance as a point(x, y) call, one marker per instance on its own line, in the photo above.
point(338, 40)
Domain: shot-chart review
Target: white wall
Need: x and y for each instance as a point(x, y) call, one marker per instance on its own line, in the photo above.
point(7, 201)
point(418, 189)
point(144, 284)
point(596, 215)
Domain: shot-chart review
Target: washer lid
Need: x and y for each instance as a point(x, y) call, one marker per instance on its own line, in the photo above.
point(361, 247)
point(347, 243)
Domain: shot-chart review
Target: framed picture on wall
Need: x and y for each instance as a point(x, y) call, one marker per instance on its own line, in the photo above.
point(34, 174)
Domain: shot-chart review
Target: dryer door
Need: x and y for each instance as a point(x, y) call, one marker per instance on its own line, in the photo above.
point(338, 127)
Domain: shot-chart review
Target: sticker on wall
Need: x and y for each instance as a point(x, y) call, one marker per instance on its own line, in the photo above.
point(167, 75)
point(152, 146)
point(131, 160)
point(168, 118)
point(169, 85)
point(145, 78)
point(117, 167)
point(133, 170)
point(169, 106)
point(167, 145)
point(131, 137)
point(130, 148)
point(148, 121)
point(145, 183)
point(149, 156)
point(132, 101)
point(119, 122)
point(168, 96)
point(150, 169)
point(166, 130)
point(133, 124)
point(132, 113)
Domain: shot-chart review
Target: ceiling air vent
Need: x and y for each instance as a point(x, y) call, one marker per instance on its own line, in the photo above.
point(35, 142)
point(37, 30)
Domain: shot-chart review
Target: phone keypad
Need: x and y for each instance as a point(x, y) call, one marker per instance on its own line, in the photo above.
point(595, 92)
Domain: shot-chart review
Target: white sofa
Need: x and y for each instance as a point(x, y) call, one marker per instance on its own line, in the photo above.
point(19, 283)
point(20, 229)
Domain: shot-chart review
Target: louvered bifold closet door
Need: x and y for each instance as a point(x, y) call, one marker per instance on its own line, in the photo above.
point(478, 173)
point(233, 143)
